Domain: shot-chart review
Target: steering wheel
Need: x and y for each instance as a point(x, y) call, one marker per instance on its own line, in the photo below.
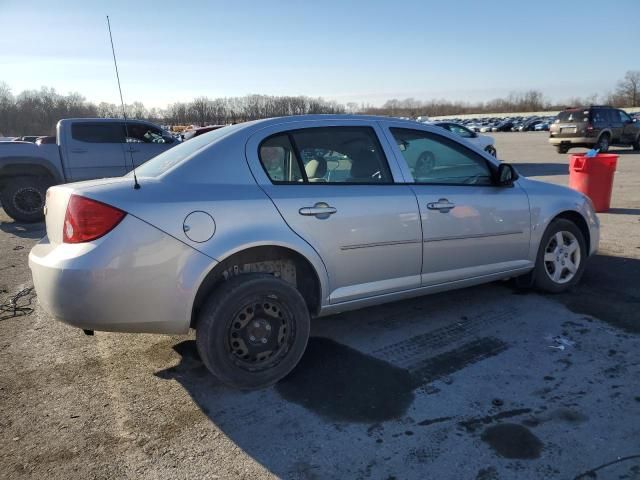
point(425, 164)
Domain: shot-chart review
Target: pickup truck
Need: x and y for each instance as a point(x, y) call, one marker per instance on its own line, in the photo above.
point(85, 149)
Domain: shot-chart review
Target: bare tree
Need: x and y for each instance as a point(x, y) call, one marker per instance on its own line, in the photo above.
point(628, 91)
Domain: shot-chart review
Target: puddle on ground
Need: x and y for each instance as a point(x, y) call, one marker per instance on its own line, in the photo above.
point(343, 384)
point(510, 440)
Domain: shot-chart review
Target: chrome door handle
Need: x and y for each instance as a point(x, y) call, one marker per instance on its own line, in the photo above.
point(319, 210)
point(443, 205)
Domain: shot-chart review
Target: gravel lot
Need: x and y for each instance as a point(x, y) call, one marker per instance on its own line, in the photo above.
point(484, 383)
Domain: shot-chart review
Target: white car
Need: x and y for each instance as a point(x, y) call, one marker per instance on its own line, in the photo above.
point(484, 142)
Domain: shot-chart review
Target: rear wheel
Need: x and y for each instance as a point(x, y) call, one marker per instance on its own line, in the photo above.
point(561, 257)
point(23, 198)
point(562, 149)
point(603, 143)
point(253, 331)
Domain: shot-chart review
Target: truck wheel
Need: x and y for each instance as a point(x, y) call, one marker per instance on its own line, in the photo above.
point(603, 143)
point(253, 331)
point(561, 257)
point(23, 198)
point(562, 149)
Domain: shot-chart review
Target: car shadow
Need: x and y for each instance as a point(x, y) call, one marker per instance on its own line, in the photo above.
point(624, 211)
point(541, 169)
point(24, 230)
point(608, 291)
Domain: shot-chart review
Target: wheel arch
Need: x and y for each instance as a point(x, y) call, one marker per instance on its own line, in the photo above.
point(274, 259)
point(576, 218)
point(27, 167)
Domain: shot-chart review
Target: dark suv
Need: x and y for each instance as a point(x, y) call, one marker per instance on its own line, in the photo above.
point(594, 127)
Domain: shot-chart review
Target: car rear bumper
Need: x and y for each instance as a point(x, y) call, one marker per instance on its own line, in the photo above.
point(572, 140)
point(134, 279)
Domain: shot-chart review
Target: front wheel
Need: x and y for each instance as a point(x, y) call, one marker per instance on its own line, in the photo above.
point(561, 257)
point(253, 331)
point(23, 198)
point(562, 149)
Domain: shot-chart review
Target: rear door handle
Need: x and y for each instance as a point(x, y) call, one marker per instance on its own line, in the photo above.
point(443, 205)
point(319, 210)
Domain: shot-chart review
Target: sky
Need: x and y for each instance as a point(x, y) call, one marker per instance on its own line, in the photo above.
point(348, 51)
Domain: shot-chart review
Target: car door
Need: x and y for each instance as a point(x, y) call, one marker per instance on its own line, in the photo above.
point(334, 186)
point(471, 227)
point(616, 125)
point(95, 150)
point(629, 128)
point(145, 141)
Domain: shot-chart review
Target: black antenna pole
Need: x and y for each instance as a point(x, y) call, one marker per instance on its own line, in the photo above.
point(136, 185)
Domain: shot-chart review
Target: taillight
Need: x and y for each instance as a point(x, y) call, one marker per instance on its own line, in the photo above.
point(87, 219)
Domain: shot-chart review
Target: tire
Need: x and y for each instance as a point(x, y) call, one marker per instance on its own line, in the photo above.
point(231, 344)
point(546, 267)
point(23, 198)
point(562, 149)
point(636, 144)
point(603, 143)
point(491, 150)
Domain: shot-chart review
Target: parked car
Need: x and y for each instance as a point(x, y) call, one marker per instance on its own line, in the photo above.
point(246, 233)
point(503, 126)
point(594, 127)
point(85, 149)
point(26, 138)
point(543, 126)
point(189, 134)
point(46, 140)
point(483, 142)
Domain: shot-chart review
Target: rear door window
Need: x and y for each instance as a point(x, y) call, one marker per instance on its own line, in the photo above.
point(108, 132)
point(330, 155)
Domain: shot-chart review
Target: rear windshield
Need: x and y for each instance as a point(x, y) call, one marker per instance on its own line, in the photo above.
point(573, 116)
point(170, 158)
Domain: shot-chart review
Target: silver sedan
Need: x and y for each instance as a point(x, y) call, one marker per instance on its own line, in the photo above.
point(247, 232)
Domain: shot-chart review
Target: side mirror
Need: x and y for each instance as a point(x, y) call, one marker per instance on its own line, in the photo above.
point(506, 175)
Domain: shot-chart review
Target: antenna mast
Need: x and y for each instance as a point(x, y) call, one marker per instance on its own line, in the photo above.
point(136, 185)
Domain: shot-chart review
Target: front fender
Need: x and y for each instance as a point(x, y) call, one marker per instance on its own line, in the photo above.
point(548, 201)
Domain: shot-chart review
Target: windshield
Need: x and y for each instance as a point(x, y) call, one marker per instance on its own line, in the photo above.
point(166, 160)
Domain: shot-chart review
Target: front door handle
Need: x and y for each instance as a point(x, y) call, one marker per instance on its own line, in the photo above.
point(319, 210)
point(443, 205)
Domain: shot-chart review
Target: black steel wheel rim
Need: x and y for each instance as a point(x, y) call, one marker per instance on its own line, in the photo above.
point(28, 200)
point(260, 333)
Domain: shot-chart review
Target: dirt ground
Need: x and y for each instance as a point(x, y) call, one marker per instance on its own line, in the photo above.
point(484, 383)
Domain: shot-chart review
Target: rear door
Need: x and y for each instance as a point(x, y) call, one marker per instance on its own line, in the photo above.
point(94, 150)
point(616, 125)
point(470, 226)
point(333, 184)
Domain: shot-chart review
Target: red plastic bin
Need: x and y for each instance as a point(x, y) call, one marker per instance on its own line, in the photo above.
point(594, 177)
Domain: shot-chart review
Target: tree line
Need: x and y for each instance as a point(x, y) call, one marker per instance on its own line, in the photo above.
point(36, 112)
